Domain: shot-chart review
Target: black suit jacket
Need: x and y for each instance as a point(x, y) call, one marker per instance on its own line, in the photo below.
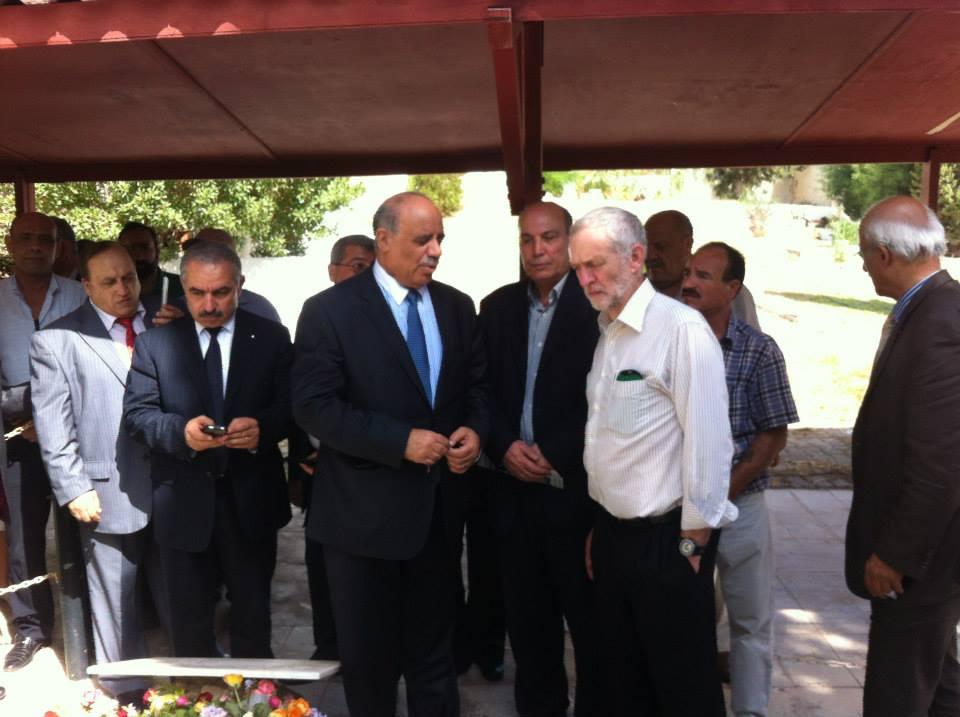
point(356, 389)
point(167, 387)
point(559, 399)
point(906, 456)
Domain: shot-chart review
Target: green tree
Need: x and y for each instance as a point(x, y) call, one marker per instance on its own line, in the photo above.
point(446, 190)
point(739, 182)
point(274, 216)
point(858, 186)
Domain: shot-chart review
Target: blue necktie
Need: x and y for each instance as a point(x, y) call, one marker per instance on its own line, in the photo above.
point(416, 341)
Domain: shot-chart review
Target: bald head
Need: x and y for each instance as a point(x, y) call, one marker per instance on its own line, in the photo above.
point(901, 242)
point(32, 243)
point(220, 236)
point(408, 230)
point(669, 244)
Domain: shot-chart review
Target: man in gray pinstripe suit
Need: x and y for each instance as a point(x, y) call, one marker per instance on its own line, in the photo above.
point(79, 367)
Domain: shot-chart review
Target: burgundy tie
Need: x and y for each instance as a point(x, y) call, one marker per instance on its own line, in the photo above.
point(131, 334)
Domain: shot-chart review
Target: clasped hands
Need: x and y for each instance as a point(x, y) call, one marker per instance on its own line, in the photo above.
point(426, 447)
point(242, 433)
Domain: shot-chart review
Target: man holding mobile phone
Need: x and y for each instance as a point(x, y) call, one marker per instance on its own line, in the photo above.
point(209, 394)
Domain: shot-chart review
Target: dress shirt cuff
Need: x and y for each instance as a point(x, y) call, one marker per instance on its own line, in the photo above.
point(693, 519)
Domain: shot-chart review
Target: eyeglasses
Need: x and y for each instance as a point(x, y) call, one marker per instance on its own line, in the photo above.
point(355, 266)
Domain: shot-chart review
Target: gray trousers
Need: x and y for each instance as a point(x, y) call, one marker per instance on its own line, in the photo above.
point(113, 564)
point(745, 562)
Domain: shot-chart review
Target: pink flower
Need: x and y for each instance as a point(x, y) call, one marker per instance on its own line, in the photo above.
point(274, 702)
point(121, 712)
point(148, 695)
point(183, 701)
point(266, 687)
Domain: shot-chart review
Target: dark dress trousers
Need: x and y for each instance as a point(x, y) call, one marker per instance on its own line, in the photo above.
point(391, 574)
point(542, 528)
point(212, 519)
point(906, 507)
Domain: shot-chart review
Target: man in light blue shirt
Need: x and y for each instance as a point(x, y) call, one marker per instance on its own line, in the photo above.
point(29, 300)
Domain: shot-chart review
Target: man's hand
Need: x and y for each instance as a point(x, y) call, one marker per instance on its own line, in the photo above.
point(464, 449)
point(882, 580)
point(197, 439)
point(165, 314)
point(29, 432)
point(309, 464)
point(701, 537)
point(588, 554)
point(243, 434)
point(425, 447)
point(86, 507)
point(526, 462)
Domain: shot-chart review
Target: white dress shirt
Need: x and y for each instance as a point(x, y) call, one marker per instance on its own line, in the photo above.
point(663, 439)
point(225, 339)
point(118, 332)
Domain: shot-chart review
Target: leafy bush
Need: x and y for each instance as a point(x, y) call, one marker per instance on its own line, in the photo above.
point(739, 182)
point(446, 190)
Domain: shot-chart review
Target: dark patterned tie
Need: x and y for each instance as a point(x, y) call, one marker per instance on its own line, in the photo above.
point(214, 363)
point(417, 343)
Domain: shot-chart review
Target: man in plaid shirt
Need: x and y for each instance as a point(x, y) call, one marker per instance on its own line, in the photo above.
point(761, 406)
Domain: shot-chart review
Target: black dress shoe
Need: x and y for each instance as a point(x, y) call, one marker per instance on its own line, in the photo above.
point(21, 653)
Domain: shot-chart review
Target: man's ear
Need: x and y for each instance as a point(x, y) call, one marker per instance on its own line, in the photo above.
point(240, 283)
point(382, 238)
point(735, 286)
point(638, 255)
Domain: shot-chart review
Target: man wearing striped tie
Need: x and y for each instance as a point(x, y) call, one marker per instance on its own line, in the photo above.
point(903, 535)
point(78, 370)
point(657, 452)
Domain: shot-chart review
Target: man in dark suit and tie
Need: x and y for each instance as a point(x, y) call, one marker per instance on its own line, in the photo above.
point(209, 394)
point(389, 376)
point(540, 335)
point(903, 534)
point(78, 371)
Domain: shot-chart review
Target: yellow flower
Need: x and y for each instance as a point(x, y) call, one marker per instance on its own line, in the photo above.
point(233, 680)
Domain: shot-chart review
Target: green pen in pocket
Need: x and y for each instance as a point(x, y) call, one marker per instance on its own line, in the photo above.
point(629, 374)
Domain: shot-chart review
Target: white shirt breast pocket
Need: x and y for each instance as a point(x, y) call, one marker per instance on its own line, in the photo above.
point(630, 402)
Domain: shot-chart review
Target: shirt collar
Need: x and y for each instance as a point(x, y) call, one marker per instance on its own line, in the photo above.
point(904, 300)
point(635, 310)
point(109, 319)
point(397, 291)
point(226, 328)
point(551, 297)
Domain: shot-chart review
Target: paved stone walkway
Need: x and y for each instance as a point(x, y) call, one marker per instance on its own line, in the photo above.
point(820, 628)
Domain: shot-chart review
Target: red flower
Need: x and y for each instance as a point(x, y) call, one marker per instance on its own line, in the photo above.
point(266, 687)
point(205, 697)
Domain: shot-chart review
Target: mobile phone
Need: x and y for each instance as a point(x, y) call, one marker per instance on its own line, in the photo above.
point(214, 430)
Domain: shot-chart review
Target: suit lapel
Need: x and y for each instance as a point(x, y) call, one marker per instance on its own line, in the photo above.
point(189, 349)
point(565, 315)
point(242, 351)
point(93, 333)
point(446, 321)
point(937, 280)
point(374, 305)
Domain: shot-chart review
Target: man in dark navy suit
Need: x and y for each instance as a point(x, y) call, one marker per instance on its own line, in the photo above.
point(209, 394)
point(540, 335)
point(389, 376)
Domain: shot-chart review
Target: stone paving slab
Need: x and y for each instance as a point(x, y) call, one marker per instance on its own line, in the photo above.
point(820, 628)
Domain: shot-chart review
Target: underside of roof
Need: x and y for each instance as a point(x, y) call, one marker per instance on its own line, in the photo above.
point(114, 89)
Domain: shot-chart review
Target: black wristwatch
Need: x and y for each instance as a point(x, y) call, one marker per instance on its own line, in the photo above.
point(688, 548)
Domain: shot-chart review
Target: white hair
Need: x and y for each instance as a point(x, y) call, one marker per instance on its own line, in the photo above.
point(623, 229)
point(903, 237)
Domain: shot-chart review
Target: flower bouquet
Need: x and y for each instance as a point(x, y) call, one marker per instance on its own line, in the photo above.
point(241, 698)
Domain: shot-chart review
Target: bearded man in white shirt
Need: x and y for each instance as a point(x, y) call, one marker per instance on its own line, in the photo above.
point(657, 454)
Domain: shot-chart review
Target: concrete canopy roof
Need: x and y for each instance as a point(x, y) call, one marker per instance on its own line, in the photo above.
point(116, 89)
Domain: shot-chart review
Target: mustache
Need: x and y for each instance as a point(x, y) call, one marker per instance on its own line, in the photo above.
point(429, 262)
point(215, 314)
point(690, 292)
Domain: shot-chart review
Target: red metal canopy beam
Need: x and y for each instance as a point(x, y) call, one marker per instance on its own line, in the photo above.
point(930, 181)
point(506, 46)
point(113, 20)
point(532, 112)
point(24, 196)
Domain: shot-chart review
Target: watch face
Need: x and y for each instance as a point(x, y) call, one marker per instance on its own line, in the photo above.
point(687, 547)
